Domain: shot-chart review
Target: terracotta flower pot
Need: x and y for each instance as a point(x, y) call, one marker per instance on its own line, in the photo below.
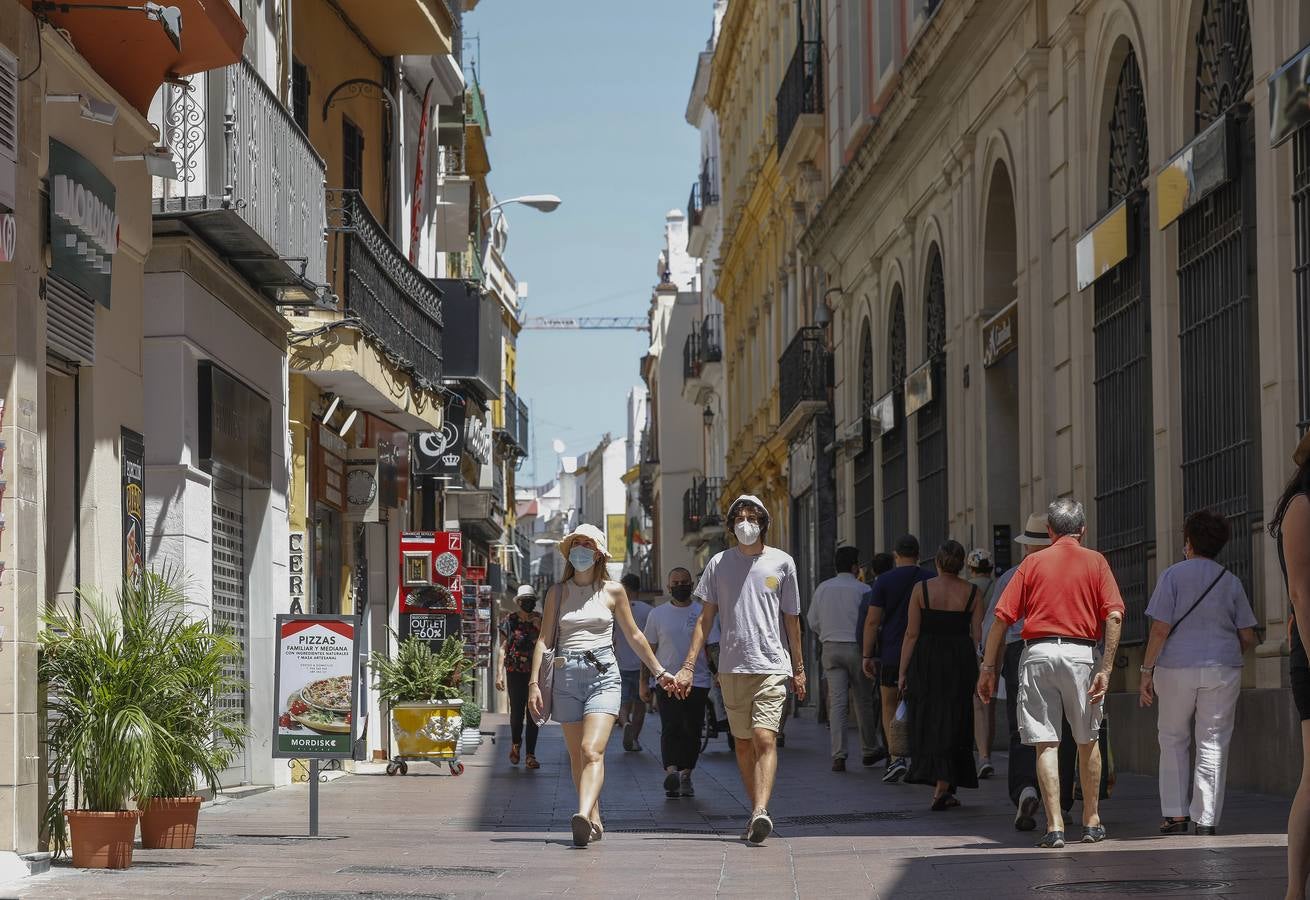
point(169, 823)
point(102, 840)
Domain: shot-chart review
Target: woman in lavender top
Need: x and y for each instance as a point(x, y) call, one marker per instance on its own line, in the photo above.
point(1201, 626)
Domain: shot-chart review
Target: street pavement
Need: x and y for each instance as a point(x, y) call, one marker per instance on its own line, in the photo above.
point(500, 831)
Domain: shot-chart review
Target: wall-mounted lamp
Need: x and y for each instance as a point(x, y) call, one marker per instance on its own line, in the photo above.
point(823, 315)
point(168, 17)
point(708, 416)
point(331, 410)
point(159, 162)
point(350, 420)
point(91, 108)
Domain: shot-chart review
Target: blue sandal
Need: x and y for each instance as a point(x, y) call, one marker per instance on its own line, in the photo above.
point(1052, 840)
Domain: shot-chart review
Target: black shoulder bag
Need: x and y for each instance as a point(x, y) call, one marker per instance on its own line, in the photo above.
point(1204, 594)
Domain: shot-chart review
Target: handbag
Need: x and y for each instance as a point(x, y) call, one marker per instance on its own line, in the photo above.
point(546, 668)
point(1222, 572)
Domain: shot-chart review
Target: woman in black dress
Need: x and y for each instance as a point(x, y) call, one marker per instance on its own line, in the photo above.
point(1290, 525)
point(939, 669)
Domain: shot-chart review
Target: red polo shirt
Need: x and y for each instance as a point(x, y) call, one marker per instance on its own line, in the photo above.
point(1065, 590)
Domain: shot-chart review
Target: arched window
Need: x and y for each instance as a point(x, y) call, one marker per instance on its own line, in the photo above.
point(930, 420)
point(895, 476)
point(865, 532)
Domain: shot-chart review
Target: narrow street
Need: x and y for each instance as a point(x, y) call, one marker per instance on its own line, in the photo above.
point(500, 832)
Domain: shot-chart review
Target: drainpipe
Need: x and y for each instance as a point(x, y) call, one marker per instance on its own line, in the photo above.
point(399, 231)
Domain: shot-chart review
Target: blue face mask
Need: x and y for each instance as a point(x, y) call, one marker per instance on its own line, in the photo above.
point(582, 558)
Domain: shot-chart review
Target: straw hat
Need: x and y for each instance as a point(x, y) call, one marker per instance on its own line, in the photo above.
point(1302, 452)
point(584, 531)
point(1034, 532)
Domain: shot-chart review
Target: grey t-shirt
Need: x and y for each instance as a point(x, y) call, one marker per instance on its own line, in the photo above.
point(752, 593)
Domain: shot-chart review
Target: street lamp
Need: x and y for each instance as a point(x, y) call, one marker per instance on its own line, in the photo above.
point(540, 202)
point(708, 416)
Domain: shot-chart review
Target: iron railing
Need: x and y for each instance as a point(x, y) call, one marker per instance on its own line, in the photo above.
point(700, 505)
point(695, 206)
point(522, 559)
point(801, 92)
point(804, 371)
point(515, 428)
point(704, 192)
point(690, 511)
point(395, 303)
point(711, 338)
point(237, 147)
point(691, 356)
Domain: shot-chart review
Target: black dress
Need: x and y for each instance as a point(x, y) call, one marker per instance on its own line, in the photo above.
point(940, 683)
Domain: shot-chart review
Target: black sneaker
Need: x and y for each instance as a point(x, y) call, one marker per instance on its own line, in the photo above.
point(671, 785)
point(896, 770)
point(761, 827)
point(684, 786)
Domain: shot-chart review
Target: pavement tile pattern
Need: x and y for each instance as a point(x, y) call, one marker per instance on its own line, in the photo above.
point(502, 831)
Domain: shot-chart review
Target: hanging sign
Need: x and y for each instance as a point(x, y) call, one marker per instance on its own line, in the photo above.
point(615, 537)
point(296, 570)
point(431, 584)
point(83, 223)
point(416, 209)
point(1195, 171)
point(883, 412)
point(477, 440)
point(133, 454)
point(437, 453)
point(1000, 334)
point(8, 237)
point(918, 389)
point(1289, 98)
point(1104, 246)
point(314, 687)
point(362, 503)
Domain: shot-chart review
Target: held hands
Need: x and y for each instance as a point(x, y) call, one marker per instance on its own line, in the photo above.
point(1100, 684)
point(534, 700)
point(680, 685)
point(986, 685)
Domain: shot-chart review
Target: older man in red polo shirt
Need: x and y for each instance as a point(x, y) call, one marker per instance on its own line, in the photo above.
point(1069, 601)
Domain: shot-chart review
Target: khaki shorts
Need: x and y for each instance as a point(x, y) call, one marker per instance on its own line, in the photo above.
point(753, 701)
point(1053, 682)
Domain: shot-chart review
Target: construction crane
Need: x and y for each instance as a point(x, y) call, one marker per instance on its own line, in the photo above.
point(587, 323)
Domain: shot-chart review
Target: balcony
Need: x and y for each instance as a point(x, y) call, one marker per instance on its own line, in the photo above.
point(477, 514)
point(473, 350)
point(395, 304)
point(804, 374)
point(702, 207)
point(800, 107)
point(250, 185)
point(702, 354)
point(701, 515)
point(514, 422)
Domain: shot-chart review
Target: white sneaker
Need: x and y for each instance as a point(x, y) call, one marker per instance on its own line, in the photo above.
point(1029, 802)
point(761, 826)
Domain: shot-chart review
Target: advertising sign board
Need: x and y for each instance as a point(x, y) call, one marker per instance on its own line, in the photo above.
point(315, 687)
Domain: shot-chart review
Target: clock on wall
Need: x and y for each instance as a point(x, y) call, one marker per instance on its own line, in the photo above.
point(361, 487)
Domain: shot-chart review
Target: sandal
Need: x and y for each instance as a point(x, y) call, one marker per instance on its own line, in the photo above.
point(1093, 834)
point(945, 801)
point(514, 754)
point(581, 827)
point(597, 833)
point(532, 762)
point(1175, 826)
point(1052, 840)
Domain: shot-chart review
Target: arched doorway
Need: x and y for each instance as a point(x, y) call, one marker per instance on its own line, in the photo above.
point(895, 473)
point(1217, 299)
point(1125, 467)
point(865, 497)
point(930, 420)
point(1001, 366)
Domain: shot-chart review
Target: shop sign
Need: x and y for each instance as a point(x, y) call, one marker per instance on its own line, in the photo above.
point(331, 469)
point(1000, 334)
point(8, 237)
point(236, 427)
point(1103, 247)
point(393, 470)
point(918, 389)
point(133, 454)
point(1289, 98)
point(83, 223)
point(315, 687)
point(476, 574)
point(362, 486)
point(615, 536)
point(437, 453)
point(883, 412)
point(296, 570)
point(431, 584)
point(1195, 171)
point(478, 440)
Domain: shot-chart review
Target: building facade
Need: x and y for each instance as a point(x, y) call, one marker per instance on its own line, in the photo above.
point(1062, 247)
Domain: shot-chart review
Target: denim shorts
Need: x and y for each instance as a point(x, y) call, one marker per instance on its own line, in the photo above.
point(579, 690)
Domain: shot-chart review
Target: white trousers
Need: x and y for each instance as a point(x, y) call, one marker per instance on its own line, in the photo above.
point(1196, 703)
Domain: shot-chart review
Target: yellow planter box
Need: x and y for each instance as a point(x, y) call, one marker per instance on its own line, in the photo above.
point(427, 730)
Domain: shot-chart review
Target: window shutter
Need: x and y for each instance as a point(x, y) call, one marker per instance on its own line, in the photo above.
point(70, 322)
point(8, 126)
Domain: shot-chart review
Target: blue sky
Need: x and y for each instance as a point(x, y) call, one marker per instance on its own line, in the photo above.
point(586, 100)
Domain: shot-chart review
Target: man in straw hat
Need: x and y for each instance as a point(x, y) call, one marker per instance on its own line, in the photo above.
point(753, 590)
point(1068, 599)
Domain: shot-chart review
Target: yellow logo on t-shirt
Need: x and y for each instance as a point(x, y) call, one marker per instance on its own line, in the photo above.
point(771, 582)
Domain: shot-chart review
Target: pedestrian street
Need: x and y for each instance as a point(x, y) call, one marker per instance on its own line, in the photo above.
point(500, 831)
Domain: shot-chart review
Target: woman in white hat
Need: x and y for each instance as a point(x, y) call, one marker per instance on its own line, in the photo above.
point(518, 639)
point(578, 630)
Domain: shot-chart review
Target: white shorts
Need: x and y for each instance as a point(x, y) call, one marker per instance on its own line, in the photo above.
point(1054, 679)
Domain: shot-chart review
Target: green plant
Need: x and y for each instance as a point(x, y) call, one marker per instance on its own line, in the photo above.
point(132, 685)
point(418, 675)
point(471, 712)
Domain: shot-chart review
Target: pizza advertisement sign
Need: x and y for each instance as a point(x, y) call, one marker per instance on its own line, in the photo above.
point(315, 687)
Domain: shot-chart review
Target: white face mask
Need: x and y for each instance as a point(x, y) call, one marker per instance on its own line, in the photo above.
point(747, 532)
point(582, 558)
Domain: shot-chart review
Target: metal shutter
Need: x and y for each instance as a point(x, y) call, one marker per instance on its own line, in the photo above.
point(8, 126)
point(230, 613)
point(70, 322)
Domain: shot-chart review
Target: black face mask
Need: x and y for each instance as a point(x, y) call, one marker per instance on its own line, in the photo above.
point(527, 605)
point(680, 592)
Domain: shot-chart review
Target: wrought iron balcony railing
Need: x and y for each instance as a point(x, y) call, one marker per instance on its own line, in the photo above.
point(801, 92)
point(700, 505)
point(711, 338)
point(396, 304)
point(804, 371)
point(238, 148)
point(515, 428)
point(691, 355)
point(690, 511)
point(709, 181)
point(695, 205)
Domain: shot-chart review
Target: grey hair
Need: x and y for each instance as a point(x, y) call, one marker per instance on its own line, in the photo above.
point(1066, 516)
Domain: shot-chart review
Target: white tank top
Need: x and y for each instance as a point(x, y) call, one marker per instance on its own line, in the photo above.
point(585, 622)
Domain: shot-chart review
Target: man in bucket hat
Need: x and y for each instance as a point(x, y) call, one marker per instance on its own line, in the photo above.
point(753, 590)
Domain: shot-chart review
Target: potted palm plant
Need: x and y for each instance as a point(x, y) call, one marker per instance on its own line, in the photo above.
point(130, 712)
point(424, 690)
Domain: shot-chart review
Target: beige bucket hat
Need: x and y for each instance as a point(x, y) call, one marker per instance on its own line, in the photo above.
point(590, 532)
